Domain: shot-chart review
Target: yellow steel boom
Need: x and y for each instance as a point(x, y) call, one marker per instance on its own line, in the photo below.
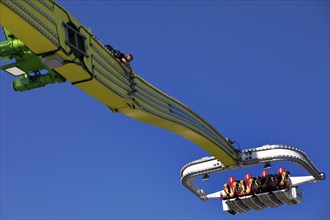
point(72, 51)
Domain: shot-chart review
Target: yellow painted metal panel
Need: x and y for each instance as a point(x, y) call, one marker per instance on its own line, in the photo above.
point(73, 72)
point(24, 31)
point(102, 77)
point(103, 94)
point(207, 145)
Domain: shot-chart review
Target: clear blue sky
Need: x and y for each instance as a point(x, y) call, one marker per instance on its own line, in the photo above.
point(257, 71)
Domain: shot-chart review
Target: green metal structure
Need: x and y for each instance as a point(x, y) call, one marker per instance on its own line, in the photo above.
point(26, 65)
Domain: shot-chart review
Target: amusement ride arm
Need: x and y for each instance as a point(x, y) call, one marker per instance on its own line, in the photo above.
point(43, 35)
point(66, 47)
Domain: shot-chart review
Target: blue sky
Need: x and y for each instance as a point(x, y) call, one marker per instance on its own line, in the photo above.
point(258, 71)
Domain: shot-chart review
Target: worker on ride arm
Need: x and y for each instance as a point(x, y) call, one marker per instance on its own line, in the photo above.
point(127, 58)
point(120, 55)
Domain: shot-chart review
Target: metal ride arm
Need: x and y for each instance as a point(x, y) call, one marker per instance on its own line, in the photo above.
point(61, 44)
point(44, 36)
point(249, 157)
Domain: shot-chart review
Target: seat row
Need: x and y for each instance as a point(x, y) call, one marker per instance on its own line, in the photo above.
point(255, 185)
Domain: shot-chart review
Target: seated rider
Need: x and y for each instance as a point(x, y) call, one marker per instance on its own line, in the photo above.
point(248, 184)
point(227, 191)
point(241, 188)
point(256, 184)
point(230, 189)
point(265, 177)
point(282, 178)
point(273, 182)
